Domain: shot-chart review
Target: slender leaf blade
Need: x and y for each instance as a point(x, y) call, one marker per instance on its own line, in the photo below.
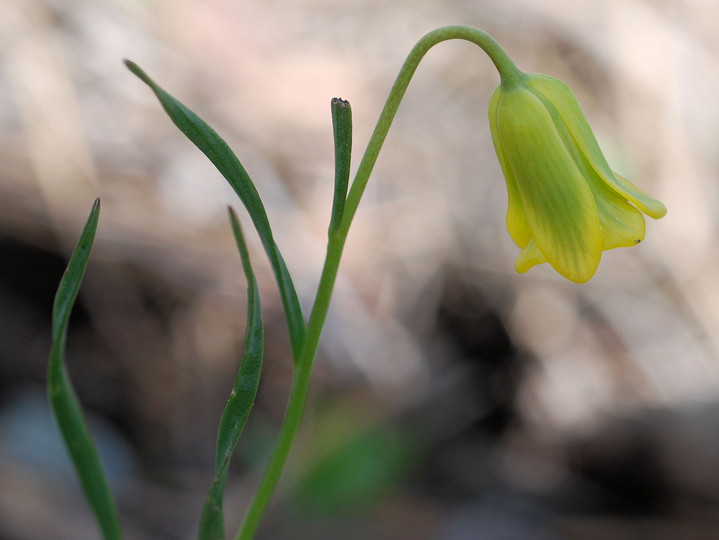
point(63, 399)
point(241, 399)
point(222, 157)
point(342, 131)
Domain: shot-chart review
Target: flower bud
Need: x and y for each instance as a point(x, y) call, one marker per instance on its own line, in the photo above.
point(565, 204)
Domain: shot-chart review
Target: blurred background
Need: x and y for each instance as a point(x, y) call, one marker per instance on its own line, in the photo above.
point(452, 398)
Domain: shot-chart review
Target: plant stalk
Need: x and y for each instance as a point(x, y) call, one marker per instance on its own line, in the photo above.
point(301, 379)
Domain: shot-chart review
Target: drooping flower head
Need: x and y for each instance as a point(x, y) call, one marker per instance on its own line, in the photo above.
point(565, 204)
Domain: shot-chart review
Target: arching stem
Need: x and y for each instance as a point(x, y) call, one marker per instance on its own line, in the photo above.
point(300, 385)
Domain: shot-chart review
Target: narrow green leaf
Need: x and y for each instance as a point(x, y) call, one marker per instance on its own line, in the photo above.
point(63, 399)
point(241, 398)
point(220, 154)
point(342, 129)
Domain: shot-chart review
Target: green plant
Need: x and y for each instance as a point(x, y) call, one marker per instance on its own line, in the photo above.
point(565, 207)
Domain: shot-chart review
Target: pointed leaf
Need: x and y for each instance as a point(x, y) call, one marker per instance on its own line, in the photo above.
point(241, 399)
point(63, 400)
point(222, 157)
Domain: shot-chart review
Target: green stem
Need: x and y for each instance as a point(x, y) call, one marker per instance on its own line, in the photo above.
point(298, 394)
point(508, 73)
point(301, 380)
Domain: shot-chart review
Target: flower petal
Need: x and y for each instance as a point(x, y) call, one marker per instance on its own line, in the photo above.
point(647, 204)
point(530, 256)
point(562, 97)
point(622, 224)
point(558, 203)
point(516, 220)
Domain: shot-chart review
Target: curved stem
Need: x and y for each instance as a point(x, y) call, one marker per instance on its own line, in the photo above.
point(509, 73)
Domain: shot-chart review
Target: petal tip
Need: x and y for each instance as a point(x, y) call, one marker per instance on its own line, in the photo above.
point(583, 278)
point(658, 210)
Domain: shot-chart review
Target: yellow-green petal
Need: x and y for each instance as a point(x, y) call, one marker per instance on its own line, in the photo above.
point(529, 257)
point(622, 224)
point(516, 220)
point(647, 204)
point(562, 97)
point(557, 201)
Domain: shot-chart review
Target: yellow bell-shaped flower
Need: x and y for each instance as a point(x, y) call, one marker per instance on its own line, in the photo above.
point(565, 204)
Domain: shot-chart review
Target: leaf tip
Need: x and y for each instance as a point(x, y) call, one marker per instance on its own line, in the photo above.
point(137, 71)
point(340, 103)
point(232, 213)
